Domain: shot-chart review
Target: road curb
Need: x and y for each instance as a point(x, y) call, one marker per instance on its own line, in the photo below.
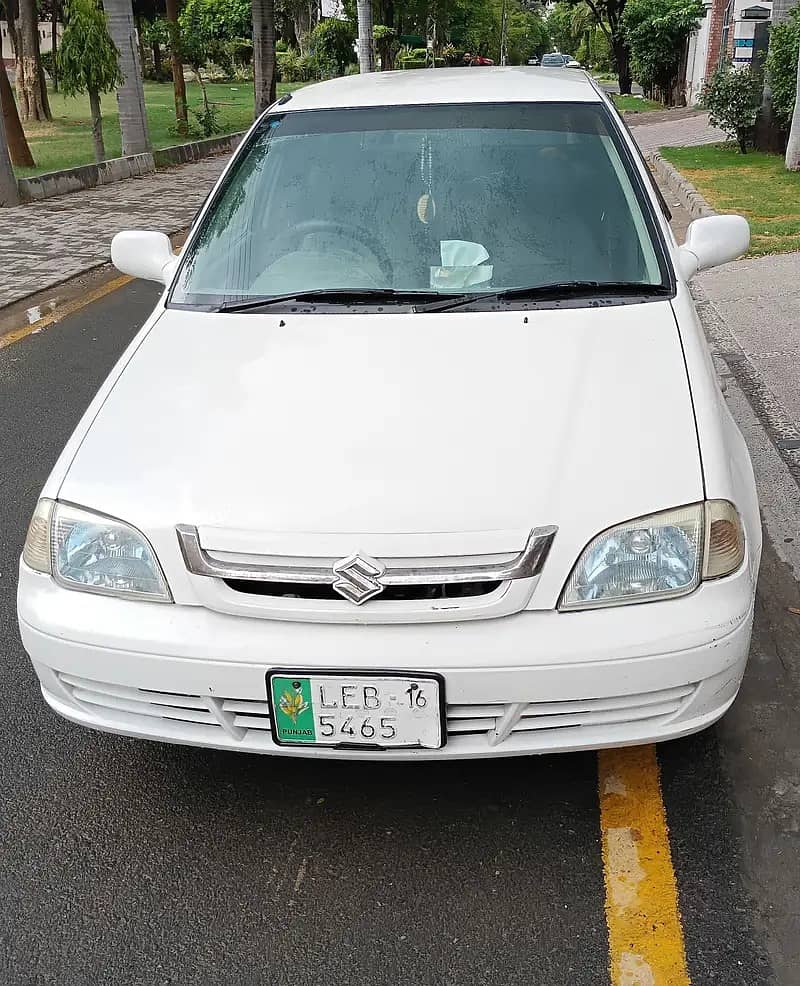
point(687, 194)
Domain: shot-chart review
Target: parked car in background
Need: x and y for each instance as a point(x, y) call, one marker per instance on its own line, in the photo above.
point(421, 454)
point(554, 60)
point(534, 60)
point(573, 63)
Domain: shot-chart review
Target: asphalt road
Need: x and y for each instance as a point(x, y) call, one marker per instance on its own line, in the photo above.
point(126, 862)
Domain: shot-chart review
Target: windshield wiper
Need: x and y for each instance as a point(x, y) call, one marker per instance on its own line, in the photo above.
point(557, 289)
point(342, 296)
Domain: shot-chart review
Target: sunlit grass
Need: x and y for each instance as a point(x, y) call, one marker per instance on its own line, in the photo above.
point(66, 141)
point(755, 185)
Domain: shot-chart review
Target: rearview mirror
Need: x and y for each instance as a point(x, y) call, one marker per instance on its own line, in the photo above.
point(144, 253)
point(712, 241)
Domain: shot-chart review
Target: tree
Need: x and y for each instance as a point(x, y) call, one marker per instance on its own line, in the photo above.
point(176, 57)
point(18, 147)
point(264, 53)
point(366, 40)
point(609, 14)
point(130, 91)
point(9, 190)
point(784, 46)
point(331, 43)
point(31, 87)
point(87, 61)
point(793, 144)
point(657, 32)
point(386, 45)
point(732, 97)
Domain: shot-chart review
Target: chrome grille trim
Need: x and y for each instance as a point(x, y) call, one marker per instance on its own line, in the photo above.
point(526, 565)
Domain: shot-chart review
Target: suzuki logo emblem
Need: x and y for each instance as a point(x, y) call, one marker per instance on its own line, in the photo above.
point(359, 578)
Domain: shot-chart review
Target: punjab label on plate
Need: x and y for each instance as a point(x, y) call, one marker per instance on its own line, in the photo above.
point(339, 708)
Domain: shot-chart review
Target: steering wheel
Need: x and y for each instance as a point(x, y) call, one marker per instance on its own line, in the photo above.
point(288, 242)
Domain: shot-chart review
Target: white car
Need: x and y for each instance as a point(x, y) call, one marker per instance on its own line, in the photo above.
point(421, 453)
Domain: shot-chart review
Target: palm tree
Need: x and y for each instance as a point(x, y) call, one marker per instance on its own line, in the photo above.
point(264, 53)
point(366, 39)
point(130, 93)
point(793, 145)
point(9, 191)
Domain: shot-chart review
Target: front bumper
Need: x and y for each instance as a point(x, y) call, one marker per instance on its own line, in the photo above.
point(534, 682)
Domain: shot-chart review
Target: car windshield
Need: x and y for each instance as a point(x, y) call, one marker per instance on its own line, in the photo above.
point(553, 60)
point(422, 199)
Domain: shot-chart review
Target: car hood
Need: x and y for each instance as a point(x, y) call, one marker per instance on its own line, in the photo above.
point(395, 423)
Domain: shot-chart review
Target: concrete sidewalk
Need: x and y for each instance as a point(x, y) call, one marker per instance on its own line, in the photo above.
point(46, 243)
point(751, 313)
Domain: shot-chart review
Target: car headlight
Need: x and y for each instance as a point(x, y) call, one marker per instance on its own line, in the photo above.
point(657, 557)
point(87, 551)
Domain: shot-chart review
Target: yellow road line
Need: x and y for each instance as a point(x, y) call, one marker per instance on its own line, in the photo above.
point(644, 924)
point(14, 335)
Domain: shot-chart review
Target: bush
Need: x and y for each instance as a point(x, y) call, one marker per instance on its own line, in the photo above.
point(48, 62)
point(784, 41)
point(419, 62)
point(216, 73)
point(656, 32)
point(352, 69)
point(288, 65)
point(281, 45)
point(331, 44)
point(732, 98)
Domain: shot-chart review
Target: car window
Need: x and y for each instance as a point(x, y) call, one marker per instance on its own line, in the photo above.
point(552, 60)
point(466, 198)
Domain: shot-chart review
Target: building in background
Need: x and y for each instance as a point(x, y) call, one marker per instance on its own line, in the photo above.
point(732, 30)
point(45, 39)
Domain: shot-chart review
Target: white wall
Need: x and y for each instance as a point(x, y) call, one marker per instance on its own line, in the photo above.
point(696, 60)
point(45, 38)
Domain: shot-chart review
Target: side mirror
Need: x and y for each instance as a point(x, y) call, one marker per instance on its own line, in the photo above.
point(144, 253)
point(712, 241)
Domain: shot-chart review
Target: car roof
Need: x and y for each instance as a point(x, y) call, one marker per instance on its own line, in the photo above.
point(418, 87)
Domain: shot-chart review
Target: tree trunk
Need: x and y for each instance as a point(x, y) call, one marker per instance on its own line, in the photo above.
point(97, 126)
point(137, 20)
point(54, 44)
point(157, 60)
point(768, 135)
point(793, 146)
point(31, 91)
point(130, 94)
point(12, 16)
point(9, 190)
point(178, 81)
point(18, 148)
point(264, 53)
point(622, 64)
point(366, 40)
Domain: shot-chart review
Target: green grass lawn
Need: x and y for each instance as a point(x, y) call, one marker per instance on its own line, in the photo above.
point(635, 104)
point(756, 185)
point(66, 141)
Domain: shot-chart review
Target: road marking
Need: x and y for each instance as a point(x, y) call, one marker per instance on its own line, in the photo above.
point(14, 335)
point(645, 935)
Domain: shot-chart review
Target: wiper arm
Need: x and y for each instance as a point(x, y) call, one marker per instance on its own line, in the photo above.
point(557, 289)
point(334, 295)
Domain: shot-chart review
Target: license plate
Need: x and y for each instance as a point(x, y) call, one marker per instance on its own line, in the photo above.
point(312, 708)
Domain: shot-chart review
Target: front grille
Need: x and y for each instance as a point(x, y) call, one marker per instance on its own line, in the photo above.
point(232, 716)
point(301, 590)
point(499, 721)
point(202, 718)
